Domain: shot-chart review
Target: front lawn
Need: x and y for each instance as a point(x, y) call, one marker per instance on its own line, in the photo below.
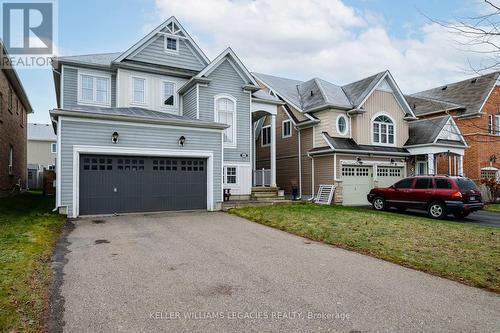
point(493, 208)
point(28, 232)
point(465, 253)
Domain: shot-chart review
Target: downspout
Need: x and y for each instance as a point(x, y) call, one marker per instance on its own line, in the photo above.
point(312, 178)
point(300, 166)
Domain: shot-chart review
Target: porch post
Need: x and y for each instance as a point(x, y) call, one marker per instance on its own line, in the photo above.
point(460, 165)
point(273, 150)
point(430, 164)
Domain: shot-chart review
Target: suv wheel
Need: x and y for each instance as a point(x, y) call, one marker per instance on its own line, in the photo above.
point(379, 203)
point(437, 210)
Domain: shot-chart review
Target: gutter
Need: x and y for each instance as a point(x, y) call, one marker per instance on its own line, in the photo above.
point(350, 151)
point(192, 82)
point(266, 101)
point(60, 112)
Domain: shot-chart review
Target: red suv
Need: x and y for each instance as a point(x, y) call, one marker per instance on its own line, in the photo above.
point(438, 195)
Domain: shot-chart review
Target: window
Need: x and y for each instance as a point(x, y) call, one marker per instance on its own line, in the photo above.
point(405, 183)
point(168, 91)
point(53, 148)
point(497, 124)
point(171, 44)
point(487, 174)
point(383, 130)
point(94, 89)
point(421, 168)
point(286, 129)
point(138, 90)
point(265, 136)
point(423, 183)
point(442, 183)
point(225, 111)
point(466, 184)
point(230, 175)
point(342, 124)
point(11, 159)
point(490, 123)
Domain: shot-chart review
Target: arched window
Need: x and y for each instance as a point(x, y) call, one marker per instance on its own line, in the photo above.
point(225, 109)
point(383, 130)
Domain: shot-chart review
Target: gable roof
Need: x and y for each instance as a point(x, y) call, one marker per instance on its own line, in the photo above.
point(358, 91)
point(429, 131)
point(317, 94)
point(172, 21)
point(470, 93)
point(41, 132)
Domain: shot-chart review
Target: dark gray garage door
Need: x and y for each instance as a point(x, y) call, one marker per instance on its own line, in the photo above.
point(125, 184)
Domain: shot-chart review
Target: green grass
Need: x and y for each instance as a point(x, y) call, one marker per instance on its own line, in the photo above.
point(493, 208)
point(28, 232)
point(466, 253)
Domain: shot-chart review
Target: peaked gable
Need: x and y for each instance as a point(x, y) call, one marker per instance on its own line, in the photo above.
point(153, 48)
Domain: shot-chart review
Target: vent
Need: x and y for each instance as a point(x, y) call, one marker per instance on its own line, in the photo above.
point(473, 81)
point(312, 93)
point(444, 88)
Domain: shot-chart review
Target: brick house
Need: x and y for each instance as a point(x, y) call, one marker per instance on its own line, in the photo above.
point(475, 106)
point(14, 107)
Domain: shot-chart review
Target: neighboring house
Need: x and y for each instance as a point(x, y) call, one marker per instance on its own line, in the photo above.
point(42, 149)
point(42, 146)
point(356, 136)
point(475, 106)
point(157, 127)
point(14, 107)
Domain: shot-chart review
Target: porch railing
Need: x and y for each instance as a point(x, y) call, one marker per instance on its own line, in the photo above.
point(262, 177)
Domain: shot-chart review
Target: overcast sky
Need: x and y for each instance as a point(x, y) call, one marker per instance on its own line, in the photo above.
point(340, 41)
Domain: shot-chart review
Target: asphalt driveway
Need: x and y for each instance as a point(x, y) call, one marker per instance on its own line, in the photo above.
point(199, 271)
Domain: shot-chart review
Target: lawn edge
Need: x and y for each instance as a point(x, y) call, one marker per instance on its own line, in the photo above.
point(373, 255)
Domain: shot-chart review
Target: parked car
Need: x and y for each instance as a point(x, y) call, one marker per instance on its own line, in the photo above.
point(438, 195)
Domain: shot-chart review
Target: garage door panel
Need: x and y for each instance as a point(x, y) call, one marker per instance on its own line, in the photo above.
point(356, 183)
point(387, 176)
point(125, 184)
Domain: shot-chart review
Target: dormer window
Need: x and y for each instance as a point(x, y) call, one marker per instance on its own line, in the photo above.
point(383, 130)
point(171, 44)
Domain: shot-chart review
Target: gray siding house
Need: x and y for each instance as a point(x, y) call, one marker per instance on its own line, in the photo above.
point(157, 127)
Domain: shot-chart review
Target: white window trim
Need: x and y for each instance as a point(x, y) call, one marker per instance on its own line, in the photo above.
point(168, 108)
point(283, 136)
point(80, 99)
point(231, 185)
point(497, 124)
point(233, 144)
point(393, 125)
point(167, 50)
point(262, 136)
point(52, 145)
point(131, 79)
point(346, 124)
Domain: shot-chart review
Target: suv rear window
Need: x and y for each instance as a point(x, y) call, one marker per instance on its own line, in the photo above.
point(466, 184)
point(405, 183)
point(443, 183)
point(423, 183)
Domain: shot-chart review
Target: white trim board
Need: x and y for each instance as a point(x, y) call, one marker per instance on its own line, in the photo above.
point(119, 150)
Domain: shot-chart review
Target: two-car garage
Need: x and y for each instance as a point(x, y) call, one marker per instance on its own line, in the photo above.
point(124, 184)
point(358, 180)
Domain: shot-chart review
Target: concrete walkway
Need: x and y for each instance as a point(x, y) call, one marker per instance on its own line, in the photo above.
point(203, 272)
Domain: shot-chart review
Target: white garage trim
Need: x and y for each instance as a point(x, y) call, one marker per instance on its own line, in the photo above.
point(78, 150)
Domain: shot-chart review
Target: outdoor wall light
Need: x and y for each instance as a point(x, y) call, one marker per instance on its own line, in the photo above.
point(182, 140)
point(358, 159)
point(393, 161)
point(493, 158)
point(114, 137)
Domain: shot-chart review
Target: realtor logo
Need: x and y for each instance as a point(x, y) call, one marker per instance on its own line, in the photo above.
point(28, 28)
